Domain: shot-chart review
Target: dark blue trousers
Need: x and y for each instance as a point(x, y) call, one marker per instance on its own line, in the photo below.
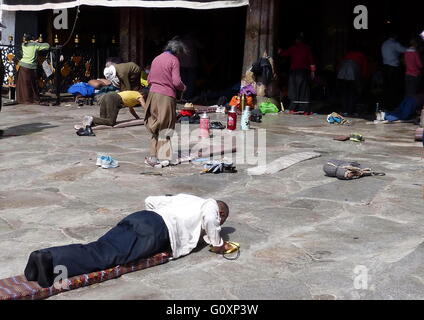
point(138, 236)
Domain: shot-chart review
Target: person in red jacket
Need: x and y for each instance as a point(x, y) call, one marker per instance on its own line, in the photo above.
point(302, 70)
point(414, 67)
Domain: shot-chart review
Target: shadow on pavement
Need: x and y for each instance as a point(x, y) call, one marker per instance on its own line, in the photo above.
point(24, 129)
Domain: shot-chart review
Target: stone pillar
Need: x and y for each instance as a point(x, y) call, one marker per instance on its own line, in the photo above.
point(260, 34)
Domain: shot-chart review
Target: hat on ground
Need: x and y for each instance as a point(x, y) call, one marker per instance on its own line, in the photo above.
point(189, 107)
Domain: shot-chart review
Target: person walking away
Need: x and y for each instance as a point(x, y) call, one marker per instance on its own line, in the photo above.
point(26, 85)
point(126, 76)
point(160, 118)
point(354, 69)
point(391, 51)
point(413, 70)
point(302, 70)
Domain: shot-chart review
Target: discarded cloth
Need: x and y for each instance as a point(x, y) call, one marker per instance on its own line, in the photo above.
point(336, 118)
point(268, 107)
point(405, 111)
point(81, 88)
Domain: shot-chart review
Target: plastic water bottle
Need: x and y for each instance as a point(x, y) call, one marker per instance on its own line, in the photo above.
point(245, 119)
point(204, 126)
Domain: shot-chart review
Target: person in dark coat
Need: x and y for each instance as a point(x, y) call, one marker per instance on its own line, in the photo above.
point(302, 71)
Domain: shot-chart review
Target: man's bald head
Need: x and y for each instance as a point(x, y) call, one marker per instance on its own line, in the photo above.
point(224, 211)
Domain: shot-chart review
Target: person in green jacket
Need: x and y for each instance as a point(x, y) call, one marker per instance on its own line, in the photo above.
point(26, 86)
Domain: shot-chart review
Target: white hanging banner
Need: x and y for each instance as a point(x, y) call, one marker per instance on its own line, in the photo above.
point(36, 5)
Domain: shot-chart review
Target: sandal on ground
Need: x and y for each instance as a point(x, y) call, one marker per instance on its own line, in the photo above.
point(154, 163)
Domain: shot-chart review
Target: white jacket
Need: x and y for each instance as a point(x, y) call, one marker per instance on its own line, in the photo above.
point(185, 216)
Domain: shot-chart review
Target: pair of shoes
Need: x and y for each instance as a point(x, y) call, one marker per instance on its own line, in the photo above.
point(40, 268)
point(78, 127)
point(106, 162)
point(85, 132)
point(153, 162)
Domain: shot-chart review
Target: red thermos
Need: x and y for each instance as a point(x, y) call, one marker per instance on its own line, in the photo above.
point(232, 119)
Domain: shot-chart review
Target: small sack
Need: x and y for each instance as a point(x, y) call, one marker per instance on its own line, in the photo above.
point(346, 170)
point(268, 107)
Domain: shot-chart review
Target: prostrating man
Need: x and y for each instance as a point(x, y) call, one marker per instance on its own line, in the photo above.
point(302, 70)
point(125, 76)
point(110, 105)
point(169, 222)
point(391, 51)
point(160, 119)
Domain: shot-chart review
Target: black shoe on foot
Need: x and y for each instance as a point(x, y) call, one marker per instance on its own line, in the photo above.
point(87, 132)
point(44, 262)
point(31, 271)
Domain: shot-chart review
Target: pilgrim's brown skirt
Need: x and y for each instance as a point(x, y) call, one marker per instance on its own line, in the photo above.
point(26, 86)
point(160, 120)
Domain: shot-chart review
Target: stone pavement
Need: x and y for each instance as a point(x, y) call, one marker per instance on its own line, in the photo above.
point(303, 235)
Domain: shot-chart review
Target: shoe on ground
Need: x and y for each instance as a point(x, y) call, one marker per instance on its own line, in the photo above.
point(100, 160)
point(152, 162)
point(87, 121)
point(109, 163)
point(87, 132)
point(78, 127)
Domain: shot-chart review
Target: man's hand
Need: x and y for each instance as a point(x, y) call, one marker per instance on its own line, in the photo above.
point(135, 115)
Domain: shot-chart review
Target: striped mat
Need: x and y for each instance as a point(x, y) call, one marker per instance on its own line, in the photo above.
point(19, 288)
